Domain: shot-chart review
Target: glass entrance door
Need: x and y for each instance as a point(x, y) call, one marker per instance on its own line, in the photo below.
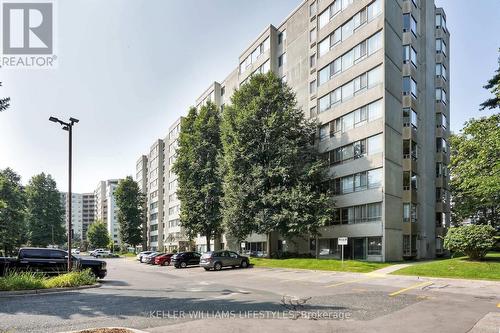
point(359, 248)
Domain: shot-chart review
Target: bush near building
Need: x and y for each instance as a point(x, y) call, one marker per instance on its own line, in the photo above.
point(473, 240)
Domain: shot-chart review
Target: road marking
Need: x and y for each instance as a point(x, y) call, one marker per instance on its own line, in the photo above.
point(421, 284)
point(352, 281)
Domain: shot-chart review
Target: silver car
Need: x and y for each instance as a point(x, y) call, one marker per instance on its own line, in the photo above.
point(219, 259)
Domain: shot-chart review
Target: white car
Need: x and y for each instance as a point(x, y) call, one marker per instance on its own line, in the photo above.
point(100, 253)
point(142, 255)
point(75, 251)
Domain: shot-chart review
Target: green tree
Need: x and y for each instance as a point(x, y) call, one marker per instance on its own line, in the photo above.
point(197, 168)
point(97, 235)
point(272, 172)
point(472, 240)
point(4, 102)
point(475, 171)
point(494, 86)
point(130, 203)
point(44, 212)
point(12, 211)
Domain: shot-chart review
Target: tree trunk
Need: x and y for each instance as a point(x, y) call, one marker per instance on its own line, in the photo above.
point(207, 237)
point(268, 245)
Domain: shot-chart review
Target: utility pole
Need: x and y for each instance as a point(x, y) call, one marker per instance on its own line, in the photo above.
point(68, 126)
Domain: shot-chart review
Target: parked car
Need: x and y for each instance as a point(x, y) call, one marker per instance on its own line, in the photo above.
point(163, 259)
point(92, 253)
point(218, 259)
point(184, 259)
point(49, 261)
point(151, 258)
point(143, 254)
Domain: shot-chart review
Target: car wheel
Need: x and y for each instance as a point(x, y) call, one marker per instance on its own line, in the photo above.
point(168, 263)
point(217, 266)
point(244, 264)
point(140, 260)
point(183, 264)
point(206, 268)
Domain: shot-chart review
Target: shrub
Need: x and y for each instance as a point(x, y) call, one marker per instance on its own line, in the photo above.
point(72, 279)
point(30, 280)
point(472, 240)
point(21, 280)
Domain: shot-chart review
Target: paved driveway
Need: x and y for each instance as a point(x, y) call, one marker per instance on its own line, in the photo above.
point(165, 299)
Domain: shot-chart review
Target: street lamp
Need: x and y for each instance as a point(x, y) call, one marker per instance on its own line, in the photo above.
point(68, 126)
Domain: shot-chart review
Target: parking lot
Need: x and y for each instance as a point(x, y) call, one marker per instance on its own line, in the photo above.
point(164, 299)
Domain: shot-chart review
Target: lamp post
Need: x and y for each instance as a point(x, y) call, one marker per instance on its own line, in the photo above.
point(68, 126)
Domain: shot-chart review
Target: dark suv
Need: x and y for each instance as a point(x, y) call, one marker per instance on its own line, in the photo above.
point(184, 259)
point(219, 259)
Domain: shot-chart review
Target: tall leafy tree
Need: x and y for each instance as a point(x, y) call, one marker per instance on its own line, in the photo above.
point(494, 86)
point(97, 235)
point(130, 203)
point(4, 102)
point(12, 211)
point(475, 171)
point(44, 212)
point(272, 172)
point(197, 168)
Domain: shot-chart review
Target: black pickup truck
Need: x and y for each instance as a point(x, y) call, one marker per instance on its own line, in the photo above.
point(49, 261)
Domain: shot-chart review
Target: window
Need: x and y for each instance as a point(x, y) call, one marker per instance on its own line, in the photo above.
point(440, 46)
point(440, 95)
point(312, 87)
point(410, 118)
point(375, 144)
point(441, 71)
point(440, 21)
point(282, 37)
point(347, 60)
point(360, 18)
point(409, 24)
point(312, 9)
point(331, 11)
point(347, 29)
point(441, 145)
point(410, 180)
point(375, 76)
point(324, 132)
point(360, 51)
point(374, 9)
point(409, 55)
point(313, 112)
point(441, 170)
point(409, 86)
point(406, 212)
point(312, 60)
point(312, 35)
point(282, 60)
point(441, 120)
point(374, 246)
point(375, 178)
point(375, 43)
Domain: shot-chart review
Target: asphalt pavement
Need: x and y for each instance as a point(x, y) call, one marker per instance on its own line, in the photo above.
point(165, 299)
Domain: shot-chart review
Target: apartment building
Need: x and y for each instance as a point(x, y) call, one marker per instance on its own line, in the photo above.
point(375, 75)
point(141, 177)
point(88, 212)
point(76, 213)
point(106, 209)
point(155, 194)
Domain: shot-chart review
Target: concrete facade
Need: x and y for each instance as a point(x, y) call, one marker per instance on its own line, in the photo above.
point(106, 209)
point(374, 74)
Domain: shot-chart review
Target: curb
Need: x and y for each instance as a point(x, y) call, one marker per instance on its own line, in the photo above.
point(45, 291)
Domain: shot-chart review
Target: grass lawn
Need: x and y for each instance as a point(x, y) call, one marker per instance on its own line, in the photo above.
point(30, 280)
point(488, 269)
point(320, 264)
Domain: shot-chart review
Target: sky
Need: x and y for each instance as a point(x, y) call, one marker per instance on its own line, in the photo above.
point(128, 69)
